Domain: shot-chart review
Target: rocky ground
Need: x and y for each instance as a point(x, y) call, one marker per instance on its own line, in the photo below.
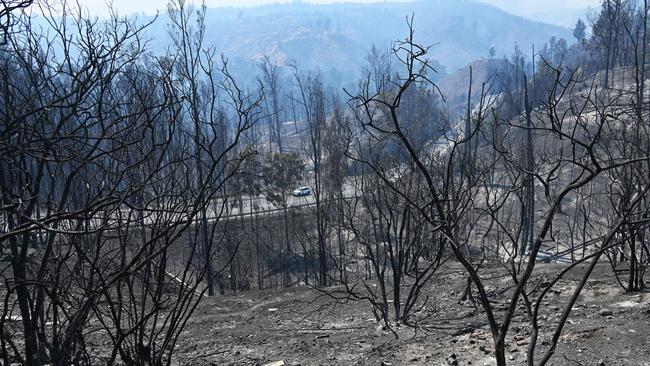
point(302, 327)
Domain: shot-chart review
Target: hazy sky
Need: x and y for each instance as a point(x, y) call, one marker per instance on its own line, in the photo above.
point(520, 7)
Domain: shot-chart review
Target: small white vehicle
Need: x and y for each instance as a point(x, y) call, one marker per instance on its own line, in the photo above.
point(302, 192)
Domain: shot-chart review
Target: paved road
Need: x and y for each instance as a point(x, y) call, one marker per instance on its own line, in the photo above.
point(263, 206)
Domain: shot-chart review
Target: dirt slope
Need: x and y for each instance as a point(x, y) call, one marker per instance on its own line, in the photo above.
point(300, 327)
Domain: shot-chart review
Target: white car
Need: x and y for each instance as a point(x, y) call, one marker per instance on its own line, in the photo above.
point(302, 191)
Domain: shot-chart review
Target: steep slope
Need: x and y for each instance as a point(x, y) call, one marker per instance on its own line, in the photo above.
point(455, 86)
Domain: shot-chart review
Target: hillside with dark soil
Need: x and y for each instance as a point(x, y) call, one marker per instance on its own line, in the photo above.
point(303, 326)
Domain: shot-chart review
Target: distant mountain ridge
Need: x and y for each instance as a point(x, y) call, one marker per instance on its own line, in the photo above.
point(335, 38)
point(566, 18)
